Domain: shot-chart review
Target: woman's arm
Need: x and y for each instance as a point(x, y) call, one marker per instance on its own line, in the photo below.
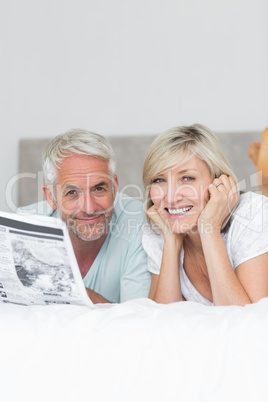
point(166, 287)
point(247, 284)
point(253, 275)
point(228, 287)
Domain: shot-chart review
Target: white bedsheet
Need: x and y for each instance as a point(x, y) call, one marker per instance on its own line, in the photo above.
point(135, 351)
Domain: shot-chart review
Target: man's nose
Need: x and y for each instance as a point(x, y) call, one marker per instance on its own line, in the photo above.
point(88, 204)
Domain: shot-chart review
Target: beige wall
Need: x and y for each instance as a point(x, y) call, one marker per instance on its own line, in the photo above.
point(129, 67)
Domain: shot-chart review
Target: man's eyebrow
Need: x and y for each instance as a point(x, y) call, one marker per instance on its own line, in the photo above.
point(70, 186)
point(101, 184)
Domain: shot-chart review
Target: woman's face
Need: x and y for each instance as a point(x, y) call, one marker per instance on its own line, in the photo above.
point(180, 193)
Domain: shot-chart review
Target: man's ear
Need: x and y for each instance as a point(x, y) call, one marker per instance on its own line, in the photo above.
point(49, 196)
point(115, 184)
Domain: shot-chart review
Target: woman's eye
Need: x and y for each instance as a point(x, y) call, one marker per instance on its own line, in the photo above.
point(188, 178)
point(158, 180)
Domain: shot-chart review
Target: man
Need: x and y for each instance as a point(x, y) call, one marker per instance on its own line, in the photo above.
point(104, 225)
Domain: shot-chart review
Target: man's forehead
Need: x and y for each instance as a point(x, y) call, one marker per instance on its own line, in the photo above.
point(92, 163)
point(83, 167)
point(88, 180)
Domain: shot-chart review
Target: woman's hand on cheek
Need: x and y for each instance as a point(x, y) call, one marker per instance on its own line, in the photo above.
point(223, 198)
point(164, 228)
point(153, 214)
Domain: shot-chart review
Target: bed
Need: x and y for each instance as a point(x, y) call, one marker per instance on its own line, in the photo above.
point(138, 350)
point(134, 351)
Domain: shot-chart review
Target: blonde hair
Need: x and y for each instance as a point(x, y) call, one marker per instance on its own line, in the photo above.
point(178, 144)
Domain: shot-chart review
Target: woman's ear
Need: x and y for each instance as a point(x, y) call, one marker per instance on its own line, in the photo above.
point(49, 196)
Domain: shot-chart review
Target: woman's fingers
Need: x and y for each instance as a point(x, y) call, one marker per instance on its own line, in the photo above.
point(229, 187)
point(225, 184)
point(155, 217)
point(223, 198)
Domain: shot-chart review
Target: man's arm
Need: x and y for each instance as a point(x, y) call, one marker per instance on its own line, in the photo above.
point(136, 281)
point(95, 297)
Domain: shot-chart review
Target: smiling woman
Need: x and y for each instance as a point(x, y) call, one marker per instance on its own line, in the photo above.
point(187, 181)
point(204, 242)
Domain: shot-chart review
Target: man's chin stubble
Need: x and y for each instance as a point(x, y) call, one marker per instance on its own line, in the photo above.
point(95, 233)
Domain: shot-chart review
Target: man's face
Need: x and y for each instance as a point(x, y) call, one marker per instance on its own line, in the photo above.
point(85, 192)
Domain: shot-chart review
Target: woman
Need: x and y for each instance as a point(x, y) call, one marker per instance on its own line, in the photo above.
point(204, 242)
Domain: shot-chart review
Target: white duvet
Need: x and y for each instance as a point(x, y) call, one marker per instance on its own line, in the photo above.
point(135, 351)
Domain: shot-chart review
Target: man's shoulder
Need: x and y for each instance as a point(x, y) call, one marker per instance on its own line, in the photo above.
point(128, 218)
point(126, 207)
point(39, 208)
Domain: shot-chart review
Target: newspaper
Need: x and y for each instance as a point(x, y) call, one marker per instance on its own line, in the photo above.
point(37, 262)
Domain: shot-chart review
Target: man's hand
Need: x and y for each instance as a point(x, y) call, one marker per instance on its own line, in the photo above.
point(95, 297)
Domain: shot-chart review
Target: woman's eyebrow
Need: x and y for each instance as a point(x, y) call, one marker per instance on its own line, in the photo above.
point(183, 171)
point(180, 171)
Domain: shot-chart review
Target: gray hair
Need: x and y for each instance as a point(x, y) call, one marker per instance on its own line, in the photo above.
point(178, 143)
point(78, 142)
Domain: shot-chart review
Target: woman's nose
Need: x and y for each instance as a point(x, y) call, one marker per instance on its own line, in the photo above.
point(174, 192)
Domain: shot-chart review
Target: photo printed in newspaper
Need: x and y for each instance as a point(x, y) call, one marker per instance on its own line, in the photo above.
point(37, 262)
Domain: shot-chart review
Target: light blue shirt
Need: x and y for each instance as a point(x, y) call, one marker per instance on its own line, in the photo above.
point(119, 272)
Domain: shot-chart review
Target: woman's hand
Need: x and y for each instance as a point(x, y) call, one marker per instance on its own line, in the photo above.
point(153, 214)
point(223, 198)
point(166, 287)
point(161, 225)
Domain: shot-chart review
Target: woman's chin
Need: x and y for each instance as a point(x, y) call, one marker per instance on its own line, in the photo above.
point(184, 228)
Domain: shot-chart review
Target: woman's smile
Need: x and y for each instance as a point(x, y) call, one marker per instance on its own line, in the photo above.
point(181, 193)
point(178, 212)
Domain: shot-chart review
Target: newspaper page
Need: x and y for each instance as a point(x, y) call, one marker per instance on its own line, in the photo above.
point(37, 262)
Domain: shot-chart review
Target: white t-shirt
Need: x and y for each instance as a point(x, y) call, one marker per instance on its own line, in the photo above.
point(245, 238)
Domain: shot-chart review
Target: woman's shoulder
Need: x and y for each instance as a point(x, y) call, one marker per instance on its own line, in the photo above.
point(150, 235)
point(152, 242)
point(250, 212)
point(253, 199)
point(248, 230)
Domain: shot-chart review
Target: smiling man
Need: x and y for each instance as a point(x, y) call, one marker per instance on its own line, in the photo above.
point(81, 188)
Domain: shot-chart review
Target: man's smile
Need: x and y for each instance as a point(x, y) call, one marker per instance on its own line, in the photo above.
point(89, 220)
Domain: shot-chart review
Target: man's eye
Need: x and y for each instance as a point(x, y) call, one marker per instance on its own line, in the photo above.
point(99, 189)
point(158, 180)
point(71, 192)
point(188, 178)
